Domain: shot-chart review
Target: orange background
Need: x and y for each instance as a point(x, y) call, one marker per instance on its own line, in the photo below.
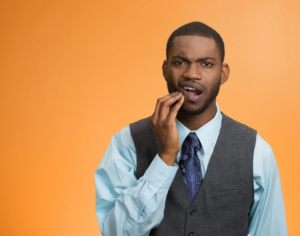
point(73, 73)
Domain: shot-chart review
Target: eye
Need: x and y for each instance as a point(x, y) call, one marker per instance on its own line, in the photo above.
point(178, 63)
point(207, 64)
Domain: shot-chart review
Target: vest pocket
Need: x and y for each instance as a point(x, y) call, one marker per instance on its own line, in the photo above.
point(225, 196)
point(225, 187)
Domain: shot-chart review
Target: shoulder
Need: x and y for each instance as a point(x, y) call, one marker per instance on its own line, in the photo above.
point(126, 136)
point(236, 124)
point(140, 126)
point(124, 139)
point(262, 145)
point(141, 130)
point(263, 151)
point(142, 121)
point(238, 133)
point(120, 153)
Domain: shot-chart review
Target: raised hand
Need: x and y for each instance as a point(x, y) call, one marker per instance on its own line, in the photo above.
point(164, 126)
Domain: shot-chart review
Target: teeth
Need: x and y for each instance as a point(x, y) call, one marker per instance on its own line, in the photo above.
point(188, 88)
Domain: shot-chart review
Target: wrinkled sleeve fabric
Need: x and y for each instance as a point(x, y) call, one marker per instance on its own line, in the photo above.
point(267, 215)
point(125, 205)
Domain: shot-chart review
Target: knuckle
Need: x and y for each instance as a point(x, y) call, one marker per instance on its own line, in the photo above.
point(163, 103)
point(165, 124)
point(169, 122)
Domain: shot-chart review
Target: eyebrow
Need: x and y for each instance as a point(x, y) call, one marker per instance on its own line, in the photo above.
point(199, 59)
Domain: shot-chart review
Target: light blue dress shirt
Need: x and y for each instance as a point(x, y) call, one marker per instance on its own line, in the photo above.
point(127, 206)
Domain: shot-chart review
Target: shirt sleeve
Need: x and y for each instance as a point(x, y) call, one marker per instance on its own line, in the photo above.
point(125, 205)
point(267, 215)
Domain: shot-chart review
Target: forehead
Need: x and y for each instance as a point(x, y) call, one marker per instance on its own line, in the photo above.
point(194, 47)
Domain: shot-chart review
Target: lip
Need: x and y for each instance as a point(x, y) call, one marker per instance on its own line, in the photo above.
point(191, 95)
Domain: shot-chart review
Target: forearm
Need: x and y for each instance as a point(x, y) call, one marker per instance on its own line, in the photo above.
point(135, 213)
point(139, 207)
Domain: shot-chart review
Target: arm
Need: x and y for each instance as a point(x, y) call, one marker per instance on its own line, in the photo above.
point(125, 205)
point(267, 215)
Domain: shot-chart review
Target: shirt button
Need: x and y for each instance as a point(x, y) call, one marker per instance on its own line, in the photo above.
point(192, 212)
point(191, 234)
point(162, 177)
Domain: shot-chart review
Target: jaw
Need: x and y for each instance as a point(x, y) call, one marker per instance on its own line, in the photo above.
point(194, 117)
point(198, 102)
point(200, 108)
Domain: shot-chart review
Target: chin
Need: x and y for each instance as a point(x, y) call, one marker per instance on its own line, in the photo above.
point(193, 110)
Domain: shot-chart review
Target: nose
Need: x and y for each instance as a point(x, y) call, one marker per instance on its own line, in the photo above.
point(192, 72)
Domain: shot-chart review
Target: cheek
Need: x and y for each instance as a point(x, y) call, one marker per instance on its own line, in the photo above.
point(212, 73)
point(212, 78)
point(173, 77)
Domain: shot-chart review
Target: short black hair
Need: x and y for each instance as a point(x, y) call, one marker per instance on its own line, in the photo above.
point(199, 29)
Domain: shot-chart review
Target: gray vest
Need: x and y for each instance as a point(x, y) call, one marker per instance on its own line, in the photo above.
point(221, 207)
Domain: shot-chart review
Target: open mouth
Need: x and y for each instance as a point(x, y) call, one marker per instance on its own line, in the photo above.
point(191, 91)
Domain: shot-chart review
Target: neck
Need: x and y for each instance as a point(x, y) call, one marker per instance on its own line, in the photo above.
point(194, 122)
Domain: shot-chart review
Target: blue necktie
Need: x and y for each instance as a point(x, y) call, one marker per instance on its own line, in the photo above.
point(189, 164)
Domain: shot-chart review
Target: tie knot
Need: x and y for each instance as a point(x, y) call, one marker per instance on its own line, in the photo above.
point(193, 140)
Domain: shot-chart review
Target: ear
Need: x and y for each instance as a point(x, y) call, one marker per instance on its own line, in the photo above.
point(224, 73)
point(165, 69)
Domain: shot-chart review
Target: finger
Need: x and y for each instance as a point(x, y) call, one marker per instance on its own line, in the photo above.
point(158, 105)
point(174, 110)
point(166, 105)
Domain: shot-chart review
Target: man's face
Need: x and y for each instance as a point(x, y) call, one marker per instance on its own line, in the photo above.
point(194, 68)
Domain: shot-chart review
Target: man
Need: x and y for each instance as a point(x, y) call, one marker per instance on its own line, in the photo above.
point(189, 169)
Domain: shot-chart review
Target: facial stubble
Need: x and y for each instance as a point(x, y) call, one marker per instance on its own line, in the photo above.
point(213, 93)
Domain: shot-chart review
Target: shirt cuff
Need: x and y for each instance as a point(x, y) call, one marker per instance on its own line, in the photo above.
point(160, 174)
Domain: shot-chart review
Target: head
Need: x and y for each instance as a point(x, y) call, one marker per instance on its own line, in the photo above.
point(200, 29)
point(194, 66)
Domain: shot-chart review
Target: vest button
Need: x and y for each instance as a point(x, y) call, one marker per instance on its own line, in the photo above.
point(191, 234)
point(192, 212)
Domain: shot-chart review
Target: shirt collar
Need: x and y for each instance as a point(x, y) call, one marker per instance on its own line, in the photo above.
point(206, 134)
